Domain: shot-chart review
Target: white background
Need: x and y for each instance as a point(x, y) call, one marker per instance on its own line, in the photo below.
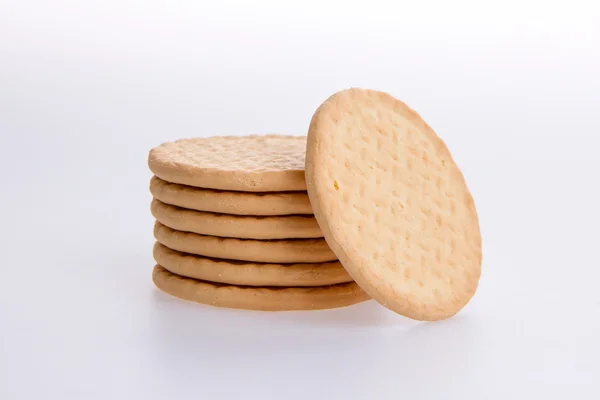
point(87, 88)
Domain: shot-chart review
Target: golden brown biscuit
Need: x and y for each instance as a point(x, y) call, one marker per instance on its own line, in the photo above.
point(249, 273)
point(393, 205)
point(255, 163)
point(230, 202)
point(258, 298)
point(268, 251)
point(236, 226)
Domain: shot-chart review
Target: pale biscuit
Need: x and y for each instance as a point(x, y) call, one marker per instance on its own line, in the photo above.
point(248, 273)
point(230, 202)
point(393, 205)
point(236, 226)
point(255, 163)
point(267, 251)
point(258, 298)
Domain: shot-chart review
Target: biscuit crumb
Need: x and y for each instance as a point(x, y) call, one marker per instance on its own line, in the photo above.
point(335, 185)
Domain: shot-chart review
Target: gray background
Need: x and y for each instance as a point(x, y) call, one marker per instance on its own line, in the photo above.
point(87, 88)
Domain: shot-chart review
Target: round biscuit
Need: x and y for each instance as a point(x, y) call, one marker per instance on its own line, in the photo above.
point(231, 202)
point(248, 273)
point(254, 163)
point(267, 251)
point(236, 226)
point(393, 205)
point(258, 298)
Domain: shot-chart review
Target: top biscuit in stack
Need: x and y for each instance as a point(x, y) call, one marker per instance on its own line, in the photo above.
point(254, 163)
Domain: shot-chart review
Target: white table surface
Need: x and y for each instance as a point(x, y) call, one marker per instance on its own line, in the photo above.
point(86, 89)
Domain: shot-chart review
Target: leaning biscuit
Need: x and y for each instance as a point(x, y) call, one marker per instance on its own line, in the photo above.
point(267, 251)
point(393, 205)
point(254, 163)
point(258, 298)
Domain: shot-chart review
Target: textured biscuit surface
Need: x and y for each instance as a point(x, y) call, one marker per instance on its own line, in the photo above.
point(393, 205)
point(267, 251)
point(236, 226)
point(254, 163)
point(230, 202)
point(248, 273)
point(258, 298)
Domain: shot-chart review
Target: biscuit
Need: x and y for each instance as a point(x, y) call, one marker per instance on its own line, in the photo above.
point(230, 202)
point(236, 226)
point(393, 205)
point(255, 163)
point(258, 298)
point(248, 273)
point(267, 251)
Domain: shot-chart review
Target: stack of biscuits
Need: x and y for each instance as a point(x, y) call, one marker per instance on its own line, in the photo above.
point(235, 227)
point(259, 222)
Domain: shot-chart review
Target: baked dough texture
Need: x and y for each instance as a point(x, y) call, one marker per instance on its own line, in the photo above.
point(267, 251)
point(254, 163)
point(230, 202)
point(236, 226)
point(249, 273)
point(258, 298)
point(393, 205)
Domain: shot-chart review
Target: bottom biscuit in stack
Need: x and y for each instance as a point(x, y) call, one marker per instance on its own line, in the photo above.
point(274, 298)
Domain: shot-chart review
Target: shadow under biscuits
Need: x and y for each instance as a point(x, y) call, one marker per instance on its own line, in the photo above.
point(185, 331)
point(184, 325)
point(185, 335)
